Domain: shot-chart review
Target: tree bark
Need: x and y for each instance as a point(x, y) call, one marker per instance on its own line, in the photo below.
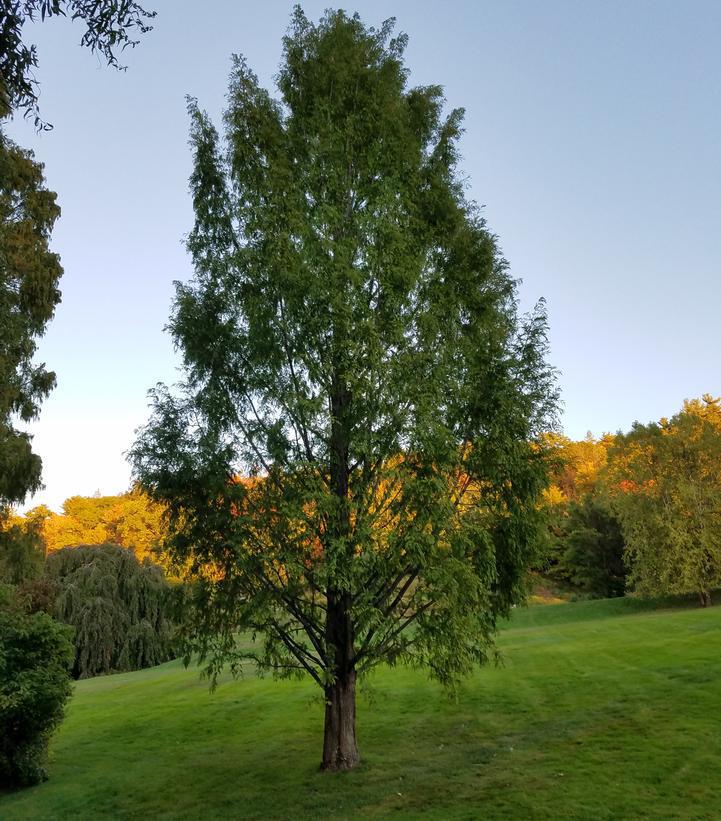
point(704, 597)
point(340, 751)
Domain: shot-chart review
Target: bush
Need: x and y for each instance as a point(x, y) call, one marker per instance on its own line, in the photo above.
point(35, 655)
point(117, 605)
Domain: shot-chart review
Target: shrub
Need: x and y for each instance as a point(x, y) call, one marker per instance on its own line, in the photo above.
point(35, 655)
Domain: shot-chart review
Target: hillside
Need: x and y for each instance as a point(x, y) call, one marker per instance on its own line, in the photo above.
point(601, 710)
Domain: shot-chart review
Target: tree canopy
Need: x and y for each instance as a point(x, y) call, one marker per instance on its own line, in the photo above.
point(22, 550)
point(666, 480)
point(130, 520)
point(585, 542)
point(352, 347)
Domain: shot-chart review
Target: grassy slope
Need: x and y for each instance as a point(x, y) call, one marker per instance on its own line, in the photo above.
point(601, 710)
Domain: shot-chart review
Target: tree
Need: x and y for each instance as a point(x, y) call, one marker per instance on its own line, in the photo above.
point(29, 271)
point(352, 348)
point(22, 551)
point(118, 606)
point(585, 543)
point(110, 25)
point(129, 519)
point(575, 465)
point(666, 480)
point(593, 548)
point(29, 275)
point(35, 653)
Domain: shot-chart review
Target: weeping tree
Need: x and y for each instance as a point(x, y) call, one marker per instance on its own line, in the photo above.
point(350, 468)
point(118, 607)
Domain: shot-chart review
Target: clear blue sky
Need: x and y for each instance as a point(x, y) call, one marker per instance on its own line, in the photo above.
point(593, 138)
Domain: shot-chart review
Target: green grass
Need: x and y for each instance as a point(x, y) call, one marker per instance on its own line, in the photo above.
point(602, 710)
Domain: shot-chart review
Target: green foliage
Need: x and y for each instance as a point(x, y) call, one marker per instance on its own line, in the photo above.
point(35, 654)
point(22, 552)
point(118, 607)
point(29, 275)
point(593, 557)
point(666, 484)
point(109, 27)
point(584, 545)
point(39, 595)
point(351, 343)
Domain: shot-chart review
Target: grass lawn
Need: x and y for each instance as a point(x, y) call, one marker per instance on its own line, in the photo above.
point(601, 710)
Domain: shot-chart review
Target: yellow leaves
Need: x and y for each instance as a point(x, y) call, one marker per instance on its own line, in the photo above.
point(130, 520)
point(553, 496)
point(707, 408)
point(576, 466)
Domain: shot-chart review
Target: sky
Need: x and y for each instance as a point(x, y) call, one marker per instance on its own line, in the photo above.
point(593, 141)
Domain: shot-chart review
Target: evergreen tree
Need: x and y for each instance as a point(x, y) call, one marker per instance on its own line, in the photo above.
point(352, 347)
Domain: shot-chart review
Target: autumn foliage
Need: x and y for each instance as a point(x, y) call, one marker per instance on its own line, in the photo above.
point(665, 483)
point(130, 520)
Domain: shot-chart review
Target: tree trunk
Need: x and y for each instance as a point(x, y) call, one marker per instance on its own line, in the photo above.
point(704, 597)
point(340, 751)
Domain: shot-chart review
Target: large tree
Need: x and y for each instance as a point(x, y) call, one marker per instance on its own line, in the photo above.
point(118, 606)
point(351, 467)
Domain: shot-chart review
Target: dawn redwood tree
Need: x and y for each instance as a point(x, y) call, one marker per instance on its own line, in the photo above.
point(351, 466)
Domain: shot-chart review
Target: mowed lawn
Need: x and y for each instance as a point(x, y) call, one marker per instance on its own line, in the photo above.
point(600, 710)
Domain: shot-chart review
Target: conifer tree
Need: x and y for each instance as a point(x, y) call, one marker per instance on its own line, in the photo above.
point(352, 349)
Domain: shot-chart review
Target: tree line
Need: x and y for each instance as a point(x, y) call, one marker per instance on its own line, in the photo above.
point(639, 511)
point(625, 513)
